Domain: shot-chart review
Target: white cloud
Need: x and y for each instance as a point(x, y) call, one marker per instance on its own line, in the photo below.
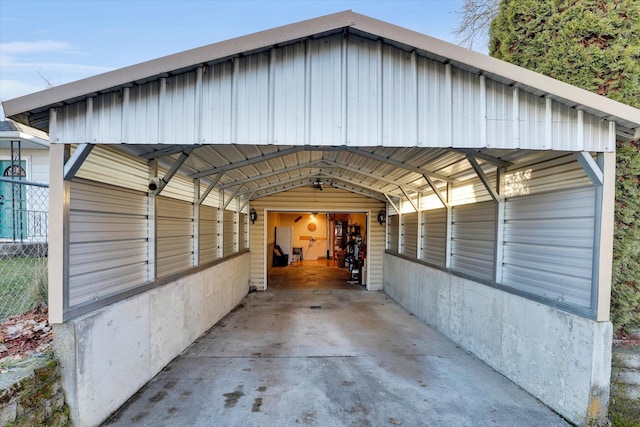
point(28, 48)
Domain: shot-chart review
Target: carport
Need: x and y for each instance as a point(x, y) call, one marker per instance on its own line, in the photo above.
point(495, 185)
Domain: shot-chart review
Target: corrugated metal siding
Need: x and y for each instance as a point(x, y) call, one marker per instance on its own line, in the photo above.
point(229, 232)
point(325, 90)
point(548, 248)
point(179, 187)
point(108, 241)
point(431, 98)
point(466, 109)
point(105, 164)
point(289, 102)
point(209, 238)
point(554, 174)
point(434, 236)
point(410, 234)
point(302, 103)
point(473, 239)
point(174, 235)
point(306, 200)
point(471, 191)
point(393, 233)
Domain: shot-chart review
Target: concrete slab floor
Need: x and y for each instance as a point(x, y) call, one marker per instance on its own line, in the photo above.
point(328, 358)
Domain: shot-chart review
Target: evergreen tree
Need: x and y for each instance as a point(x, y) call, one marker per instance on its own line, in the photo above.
point(595, 45)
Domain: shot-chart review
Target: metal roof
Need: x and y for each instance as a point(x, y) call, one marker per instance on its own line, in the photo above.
point(31, 105)
point(254, 171)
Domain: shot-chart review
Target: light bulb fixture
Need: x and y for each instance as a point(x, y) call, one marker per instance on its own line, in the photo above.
point(382, 216)
point(253, 216)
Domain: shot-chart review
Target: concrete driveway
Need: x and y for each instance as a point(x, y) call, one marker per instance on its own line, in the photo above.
point(328, 358)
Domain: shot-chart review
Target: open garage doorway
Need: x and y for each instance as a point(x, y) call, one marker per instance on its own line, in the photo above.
point(316, 250)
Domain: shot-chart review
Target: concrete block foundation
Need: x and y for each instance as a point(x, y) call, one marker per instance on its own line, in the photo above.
point(108, 355)
point(561, 358)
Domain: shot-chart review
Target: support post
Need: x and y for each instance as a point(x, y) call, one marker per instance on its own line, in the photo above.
point(603, 237)
point(58, 238)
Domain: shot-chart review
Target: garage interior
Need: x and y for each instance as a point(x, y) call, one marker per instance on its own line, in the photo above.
point(486, 189)
point(316, 250)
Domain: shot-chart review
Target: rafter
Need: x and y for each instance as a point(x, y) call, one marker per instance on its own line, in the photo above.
point(397, 164)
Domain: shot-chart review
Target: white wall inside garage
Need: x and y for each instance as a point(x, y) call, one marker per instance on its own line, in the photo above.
point(308, 200)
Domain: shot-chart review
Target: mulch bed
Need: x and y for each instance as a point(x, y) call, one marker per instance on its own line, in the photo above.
point(26, 335)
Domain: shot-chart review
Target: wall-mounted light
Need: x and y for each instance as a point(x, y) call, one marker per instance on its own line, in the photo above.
point(382, 216)
point(253, 216)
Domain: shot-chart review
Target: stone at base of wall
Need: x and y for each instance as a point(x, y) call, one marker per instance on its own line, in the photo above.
point(31, 394)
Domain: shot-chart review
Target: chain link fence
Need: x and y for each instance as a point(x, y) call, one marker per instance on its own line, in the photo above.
point(23, 246)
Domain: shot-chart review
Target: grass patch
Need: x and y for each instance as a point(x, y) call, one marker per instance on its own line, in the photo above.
point(23, 285)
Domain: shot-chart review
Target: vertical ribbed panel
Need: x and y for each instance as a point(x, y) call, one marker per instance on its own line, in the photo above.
point(180, 101)
point(208, 234)
point(107, 117)
point(417, 104)
point(393, 233)
point(253, 99)
point(289, 103)
point(434, 236)
point(108, 241)
point(410, 234)
point(431, 97)
point(174, 235)
point(229, 232)
point(466, 109)
point(326, 61)
point(242, 232)
point(362, 86)
point(548, 248)
point(106, 165)
point(473, 239)
point(144, 111)
point(499, 114)
point(399, 88)
point(216, 103)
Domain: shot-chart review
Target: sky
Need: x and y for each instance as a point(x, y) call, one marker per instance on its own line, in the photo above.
point(51, 42)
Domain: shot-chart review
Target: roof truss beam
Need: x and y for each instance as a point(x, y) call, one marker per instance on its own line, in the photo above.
point(212, 184)
point(74, 163)
point(247, 162)
point(177, 164)
point(415, 208)
point(483, 156)
point(165, 151)
point(435, 190)
point(590, 166)
point(311, 164)
point(397, 164)
point(483, 178)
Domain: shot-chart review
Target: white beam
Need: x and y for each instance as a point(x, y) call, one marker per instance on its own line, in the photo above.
point(435, 190)
point(74, 163)
point(603, 247)
point(590, 166)
point(212, 184)
point(237, 190)
point(483, 178)
point(173, 170)
point(408, 199)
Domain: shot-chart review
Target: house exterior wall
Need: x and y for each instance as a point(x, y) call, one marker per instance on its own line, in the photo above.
point(561, 358)
point(37, 164)
point(328, 200)
point(110, 353)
